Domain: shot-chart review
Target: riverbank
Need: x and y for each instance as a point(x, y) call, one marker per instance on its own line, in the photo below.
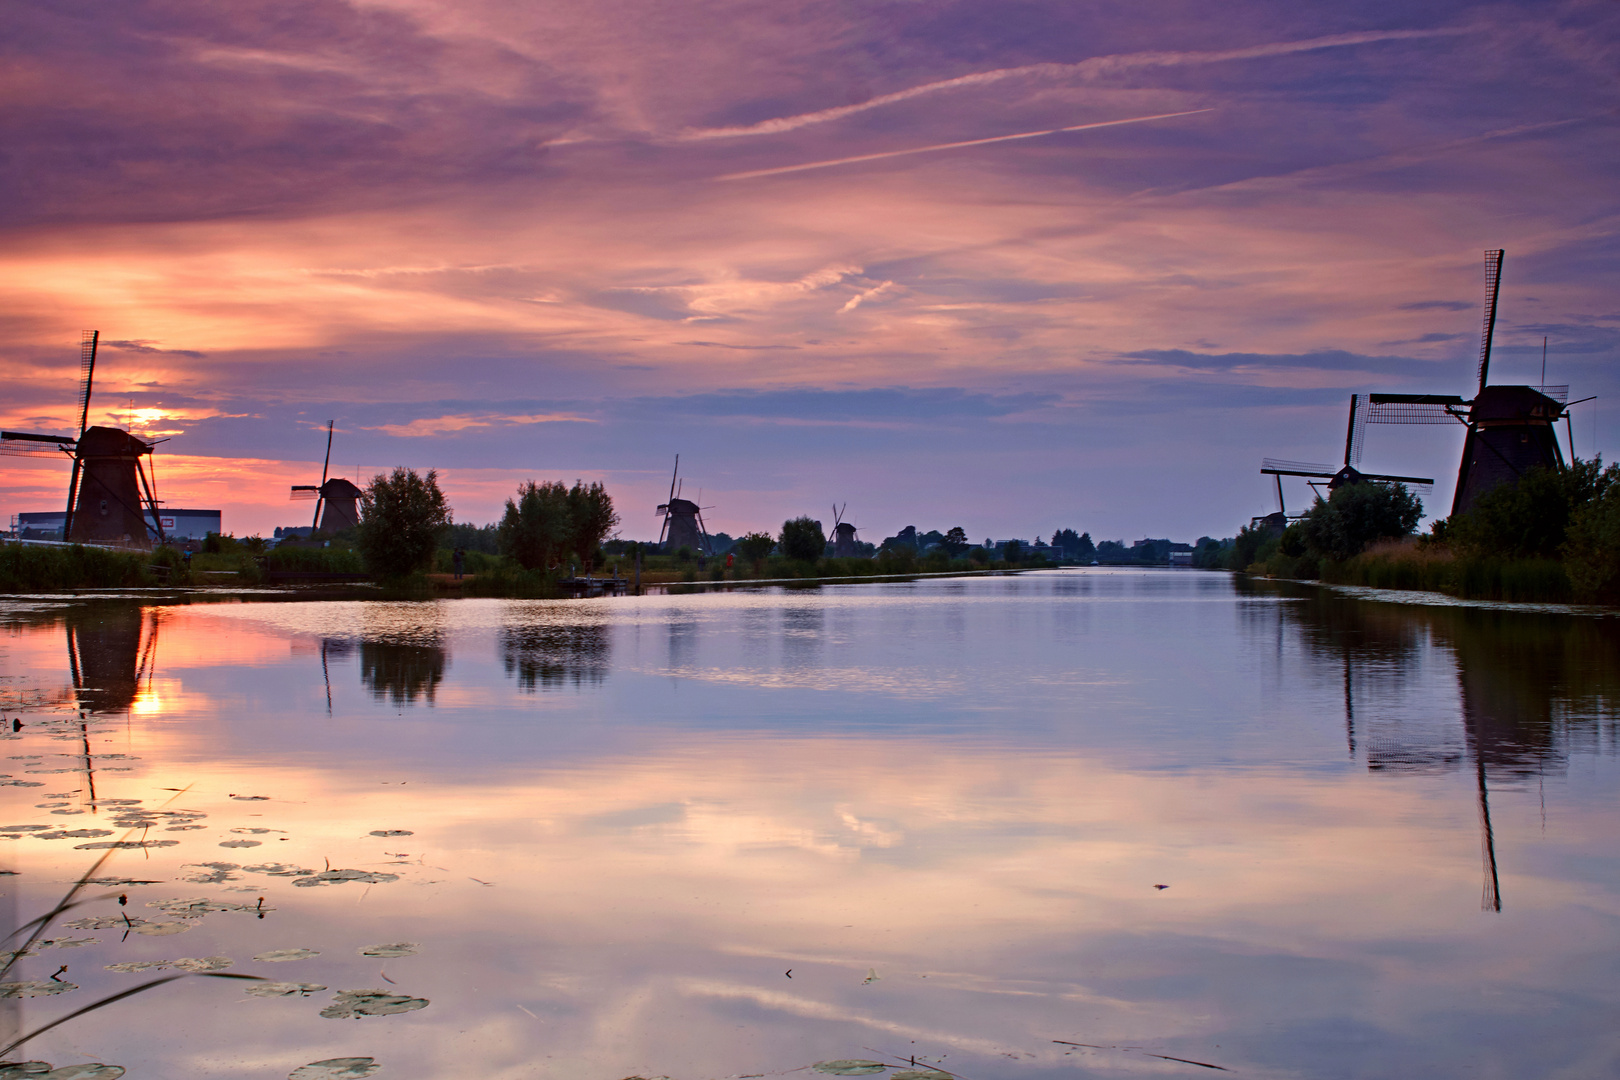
point(1410, 566)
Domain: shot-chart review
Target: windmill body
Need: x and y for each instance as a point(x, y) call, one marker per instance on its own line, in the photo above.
point(107, 508)
point(681, 527)
point(844, 535)
point(340, 507)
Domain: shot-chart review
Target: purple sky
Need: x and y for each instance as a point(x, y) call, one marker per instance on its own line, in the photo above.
point(557, 241)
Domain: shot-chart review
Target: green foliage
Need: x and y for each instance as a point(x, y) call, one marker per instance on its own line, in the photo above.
point(1076, 547)
point(1356, 515)
point(1529, 519)
point(1592, 548)
point(979, 556)
point(314, 560)
point(471, 538)
point(1211, 554)
point(802, 539)
point(591, 518)
point(1012, 551)
point(40, 568)
point(402, 517)
point(755, 546)
point(536, 532)
point(549, 523)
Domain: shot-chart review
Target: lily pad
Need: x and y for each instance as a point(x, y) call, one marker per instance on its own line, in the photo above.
point(357, 1003)
point(197, 908)
point(41, 1070)
point(335, 1069)
point(399, 948)
point(240, 843)
point(921, 1074)
point(276, 956)
point(333, 877)
point(182, 828)
point(162, 929)
point(258, 832)
point(138, 965)
point(43, 988)
point(121, 802)
point(23, 828)
point(103, 922)
point(251, 798)
point(123, 845)
point(283, 989)
point(278, 869)
point(65, 943)
point(77, 834)
point(849, 1067)
point(203, 963)
point(392, 832)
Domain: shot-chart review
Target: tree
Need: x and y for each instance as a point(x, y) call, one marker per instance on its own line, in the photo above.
point(1592, 552)
point(537, 529)
point(402, 516)
point(755, 546)
point(803, 539)
point(1012, 551)
point(955, 541)
point(591, 518)
point(1529, 519)
point(1357, 514)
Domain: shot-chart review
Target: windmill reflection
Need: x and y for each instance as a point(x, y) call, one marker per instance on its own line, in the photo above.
point(400, 672)
point(554, 656)
point(1531, 688)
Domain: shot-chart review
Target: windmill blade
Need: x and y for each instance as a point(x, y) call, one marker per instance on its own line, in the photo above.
point(1409, 481)
point(87, 370)
point(1279, 467)
point(1356, 430)
point(304, 492)
point(1493, 279)
point(1415, 408)
point(28, 444)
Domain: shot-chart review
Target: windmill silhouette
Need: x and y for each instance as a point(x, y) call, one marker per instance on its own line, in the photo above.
point(683, 519)
point(845, 536)
point(337, 496)
point(1509, 428)
point(109, 500)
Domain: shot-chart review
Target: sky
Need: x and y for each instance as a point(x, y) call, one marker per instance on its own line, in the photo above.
point(1013, 266)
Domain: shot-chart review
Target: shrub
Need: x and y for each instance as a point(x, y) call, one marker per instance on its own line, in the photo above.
point(537, 531)
point(1529, 519)
point(1356, 515)
point(402, 516)
point(1592, 549)
point(802, 539)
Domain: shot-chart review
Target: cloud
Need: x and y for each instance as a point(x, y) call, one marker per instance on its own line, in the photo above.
point(149, 347)
point(456, 423)
point(1436, 305)
point(1094, 68)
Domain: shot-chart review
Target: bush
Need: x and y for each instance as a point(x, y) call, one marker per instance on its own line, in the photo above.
point(754, 547)
point(802, 539)
point(402, 517)
point(30, 568)
point(1529, 519)
point(1592, 550)
point(1342, 526)
point(537, 529)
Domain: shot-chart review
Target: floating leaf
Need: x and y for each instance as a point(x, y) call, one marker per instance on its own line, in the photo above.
point(23, 828)
point(67, 811)
point(87, 1071)
point(121, 802)
point(196, 908)
point(921, 1074)
point(138, 965)
point(283, 989)
point(24, 1068)
point(240, 843)
point(278, 869)
point(330, 877)
point(102, 922)
point(205, 963)
point(849, 1067)
point(44, 988)
point(357, 1003)
point(78, 834)
point(182, 828)
point(335, 1069)
point(251, 798)
point(392, 832)
point(399, 948)
point(66, 943)
point(162, 929)
point(6, 781)
point(121, 845)
point(276, 956)
point(257, 832)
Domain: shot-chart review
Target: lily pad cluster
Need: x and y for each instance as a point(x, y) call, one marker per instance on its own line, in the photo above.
point(349, 1068)
point(283, 989)
point(863, 1067)
point(353, 1004)
point(41, 1070)
point(185, 963)
point(337, 877)
point(30, 988)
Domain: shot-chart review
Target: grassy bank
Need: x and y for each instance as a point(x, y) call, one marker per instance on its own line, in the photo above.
point(38, 568)
point(1411, 564)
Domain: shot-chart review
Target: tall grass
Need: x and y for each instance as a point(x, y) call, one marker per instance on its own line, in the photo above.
point(38, 568)
point(1434, 568)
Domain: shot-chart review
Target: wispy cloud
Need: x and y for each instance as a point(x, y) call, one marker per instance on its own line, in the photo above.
point(953, 145)
point(1094, 68)
point(450, 425)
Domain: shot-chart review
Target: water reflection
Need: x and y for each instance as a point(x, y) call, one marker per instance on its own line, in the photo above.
point(403, 672)
point(550, 656)
point(111, 654)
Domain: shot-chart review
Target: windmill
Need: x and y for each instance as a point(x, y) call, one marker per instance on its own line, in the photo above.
point(844, 535)
point(683, 520)
point(109, 500)
point(1334, 478)
point(1509, 428)
point(338, 496)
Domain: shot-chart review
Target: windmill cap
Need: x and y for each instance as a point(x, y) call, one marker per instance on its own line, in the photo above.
point(339, 488)
point(1521, 404)
point(111, 442)
point(683, 506)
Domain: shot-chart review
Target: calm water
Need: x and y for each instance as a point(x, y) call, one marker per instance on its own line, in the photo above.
point(1389, 833)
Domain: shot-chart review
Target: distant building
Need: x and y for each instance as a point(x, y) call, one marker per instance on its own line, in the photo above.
point(177, 524)
point(289, 532)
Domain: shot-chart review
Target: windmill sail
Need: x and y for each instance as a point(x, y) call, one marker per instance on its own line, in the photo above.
point(1493, 279)
point(87, 370)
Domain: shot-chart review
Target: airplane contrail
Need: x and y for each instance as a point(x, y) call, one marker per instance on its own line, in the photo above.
point(953, 145)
